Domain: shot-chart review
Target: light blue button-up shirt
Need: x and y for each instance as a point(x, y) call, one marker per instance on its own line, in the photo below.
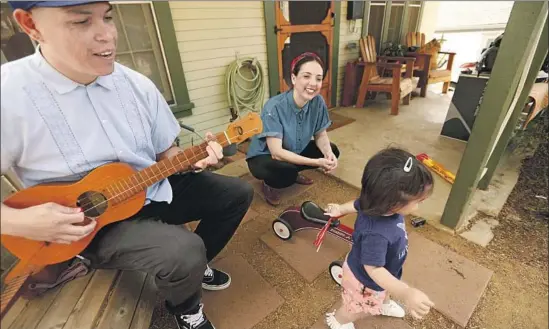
point(57, 130)
point(283, 119)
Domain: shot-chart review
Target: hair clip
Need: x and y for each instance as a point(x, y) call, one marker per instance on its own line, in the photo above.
point(408, 165)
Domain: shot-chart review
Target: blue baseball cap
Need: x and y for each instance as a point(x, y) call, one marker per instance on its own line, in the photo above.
point(26, 5)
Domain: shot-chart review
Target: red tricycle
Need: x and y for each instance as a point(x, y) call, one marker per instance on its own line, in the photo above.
point(311, 216)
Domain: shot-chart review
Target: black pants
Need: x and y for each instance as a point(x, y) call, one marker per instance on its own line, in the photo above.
point(153, 240)
point(279, 174)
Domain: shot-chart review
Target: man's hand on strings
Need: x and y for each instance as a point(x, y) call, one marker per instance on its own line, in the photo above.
point(47, 222)
point(215, 153)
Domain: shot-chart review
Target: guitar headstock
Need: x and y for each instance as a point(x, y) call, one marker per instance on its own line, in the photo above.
point(244, 128)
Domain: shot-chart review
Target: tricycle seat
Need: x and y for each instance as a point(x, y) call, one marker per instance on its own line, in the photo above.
point(313, 213)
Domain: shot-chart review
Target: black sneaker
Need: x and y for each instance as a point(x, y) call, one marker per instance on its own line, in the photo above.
point(215, 279)
point(193, 321)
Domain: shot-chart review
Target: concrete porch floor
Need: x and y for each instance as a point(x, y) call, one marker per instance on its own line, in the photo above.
point(416, 129)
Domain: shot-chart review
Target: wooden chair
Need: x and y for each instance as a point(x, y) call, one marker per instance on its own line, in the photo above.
point(398, 87)
point(414, 39)
point(426, 67)
point(417, 40)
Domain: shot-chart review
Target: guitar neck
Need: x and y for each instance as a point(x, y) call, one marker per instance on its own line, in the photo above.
point(183, 161)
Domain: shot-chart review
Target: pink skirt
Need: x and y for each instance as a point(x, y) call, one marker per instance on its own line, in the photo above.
point(357, 298)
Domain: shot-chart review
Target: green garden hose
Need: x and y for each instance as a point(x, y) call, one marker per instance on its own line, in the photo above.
point(245, 85)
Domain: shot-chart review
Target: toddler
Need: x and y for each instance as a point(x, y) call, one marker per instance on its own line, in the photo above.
point(393, 184)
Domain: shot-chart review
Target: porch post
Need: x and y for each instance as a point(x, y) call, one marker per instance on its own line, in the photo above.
point(503, 141)
point(272, 52)
point(522, 35)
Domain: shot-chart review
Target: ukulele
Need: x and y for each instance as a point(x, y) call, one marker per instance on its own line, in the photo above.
point(108, 194)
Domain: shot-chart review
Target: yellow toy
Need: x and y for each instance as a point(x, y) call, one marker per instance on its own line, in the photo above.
point(436, 167)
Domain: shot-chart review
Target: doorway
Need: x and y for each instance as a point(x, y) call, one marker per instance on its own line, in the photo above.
point(305, 26)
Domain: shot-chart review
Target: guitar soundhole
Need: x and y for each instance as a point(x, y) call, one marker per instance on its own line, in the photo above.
point(92, 203)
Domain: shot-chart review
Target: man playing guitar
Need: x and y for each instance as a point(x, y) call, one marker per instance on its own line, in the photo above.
point(68, 109)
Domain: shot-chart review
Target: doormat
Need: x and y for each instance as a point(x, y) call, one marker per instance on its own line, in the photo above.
point(339, 120)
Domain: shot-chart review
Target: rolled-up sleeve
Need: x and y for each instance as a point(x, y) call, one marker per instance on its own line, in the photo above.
point(323, 119)
point(272, 127)
point(165, 126)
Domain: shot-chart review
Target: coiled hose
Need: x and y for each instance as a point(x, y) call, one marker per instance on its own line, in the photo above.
point(245, 85)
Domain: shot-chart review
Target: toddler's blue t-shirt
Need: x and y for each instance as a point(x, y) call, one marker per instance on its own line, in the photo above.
point(377, 241)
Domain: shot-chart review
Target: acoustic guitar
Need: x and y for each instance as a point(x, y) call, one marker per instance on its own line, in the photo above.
point(108, 194)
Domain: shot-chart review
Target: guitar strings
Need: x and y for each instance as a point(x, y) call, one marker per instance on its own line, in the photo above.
point(161, 172)
point(192, 159)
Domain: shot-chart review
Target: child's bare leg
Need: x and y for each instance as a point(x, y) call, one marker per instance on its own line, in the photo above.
point(343, 316)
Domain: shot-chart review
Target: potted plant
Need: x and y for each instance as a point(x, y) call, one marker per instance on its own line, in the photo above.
point(393, 50)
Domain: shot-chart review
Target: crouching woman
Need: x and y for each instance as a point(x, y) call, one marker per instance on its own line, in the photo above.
point(294, 136)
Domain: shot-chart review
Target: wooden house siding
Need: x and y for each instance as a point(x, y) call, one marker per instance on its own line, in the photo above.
point(209, 35)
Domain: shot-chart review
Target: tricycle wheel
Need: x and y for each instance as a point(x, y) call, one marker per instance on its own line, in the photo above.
point(336, 271)
point(282, 229)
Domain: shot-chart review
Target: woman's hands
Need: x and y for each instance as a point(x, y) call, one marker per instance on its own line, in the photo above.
point(328, 163)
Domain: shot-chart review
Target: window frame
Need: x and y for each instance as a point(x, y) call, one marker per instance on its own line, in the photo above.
point(165, 28)
point(387, 14)
point(162, 17)
point(403, 20)
point(366, 21)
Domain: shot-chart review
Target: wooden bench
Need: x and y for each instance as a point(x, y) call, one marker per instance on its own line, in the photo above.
point(103, 299)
